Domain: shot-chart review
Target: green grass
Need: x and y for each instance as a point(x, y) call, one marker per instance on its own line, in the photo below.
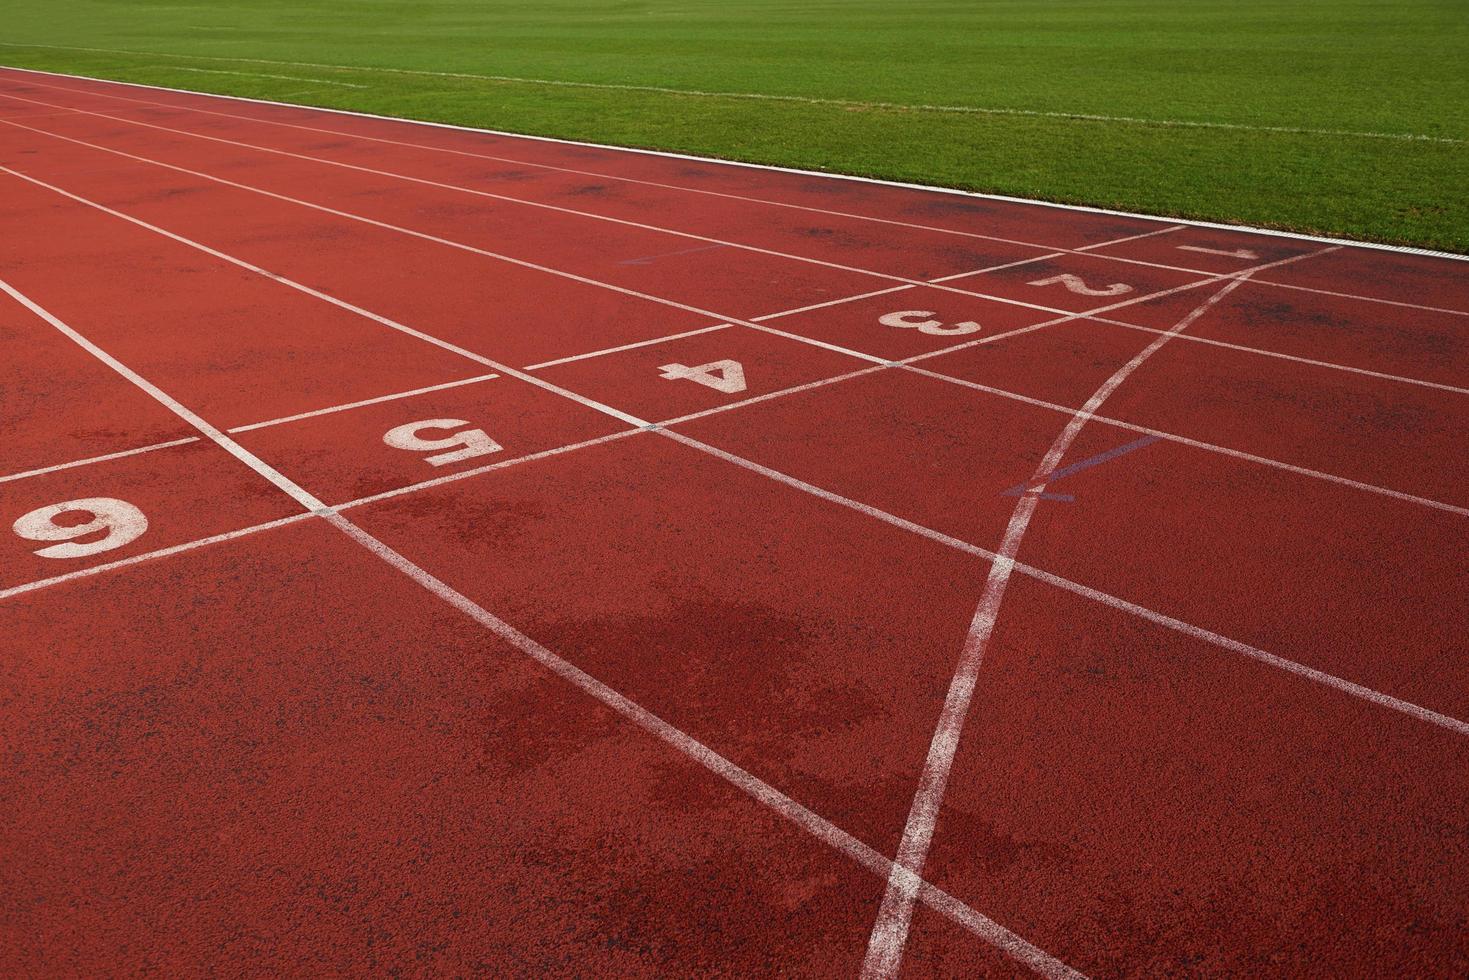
point(1396, 66)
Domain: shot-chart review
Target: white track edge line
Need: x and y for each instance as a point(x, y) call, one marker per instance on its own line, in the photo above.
point(1251, 229)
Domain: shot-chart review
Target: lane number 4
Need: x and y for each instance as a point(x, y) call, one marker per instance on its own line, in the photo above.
point(727, 376)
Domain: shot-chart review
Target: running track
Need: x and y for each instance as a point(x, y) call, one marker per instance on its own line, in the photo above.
point(511, 556)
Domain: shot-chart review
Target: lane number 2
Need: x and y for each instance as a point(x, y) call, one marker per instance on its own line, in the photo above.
point(917, 320)
point(727, 376)
point(1076, 285)
point(123, 523)
point(470, 442)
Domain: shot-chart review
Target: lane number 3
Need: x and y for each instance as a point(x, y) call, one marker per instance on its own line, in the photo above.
point(917, 320)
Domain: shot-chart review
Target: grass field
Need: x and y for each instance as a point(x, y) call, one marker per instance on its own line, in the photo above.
point(1324, 116)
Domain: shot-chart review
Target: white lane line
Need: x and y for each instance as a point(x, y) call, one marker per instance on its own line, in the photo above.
point(333, 409)
point(1088, 117)
point(590, 215)
point(253, 74)
point(768, 396)
point(425, 236)
point(325, 297)
point(490, 468)
point(392, 324)
point(890, 932)
point(99, 459)
point(1281, 355)
point(740, 197)
point(1095, 595)
point(937, 283)
point(633, 346)
point(740, 164)
point(1123, 605)
point(47, 583)
point(236, 450)
point(1353, 296)
point(1211, 447)
point(153, 447)
point(754, 787)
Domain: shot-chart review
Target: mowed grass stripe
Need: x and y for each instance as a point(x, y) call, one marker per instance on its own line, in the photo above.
point(1012, 90)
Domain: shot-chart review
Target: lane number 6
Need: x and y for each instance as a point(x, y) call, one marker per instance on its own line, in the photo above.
point(123, 523)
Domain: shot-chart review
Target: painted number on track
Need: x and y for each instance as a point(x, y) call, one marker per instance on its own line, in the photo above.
point(470, 442)
point(1076, 285)
point(122, 522)
point(918, 320)
point(727, 376)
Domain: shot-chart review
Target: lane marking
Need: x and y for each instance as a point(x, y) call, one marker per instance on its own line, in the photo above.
point(632, 346)
point(769, 97)
point(425, 236)
point(754, 787)
point(1211, 447)
point(1280, 355)
point(1085, 249)
point(650, 259)
point(270, 474)
point(327, 298)
point(905, 363)
point(1351, 688)
point(681, 741)
point(1031, 487)
point(668, 154)
point(889, 937)
point(153, 447)
point(458, 188)
point(46, 583)
point(1123, 605)
point(348, 406)
point(1239, 253)
point(937, 283)
point(26, 474)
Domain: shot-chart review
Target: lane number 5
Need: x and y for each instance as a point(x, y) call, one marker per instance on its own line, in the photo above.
point(471, 442)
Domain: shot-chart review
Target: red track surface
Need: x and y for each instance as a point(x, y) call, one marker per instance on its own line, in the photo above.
point(611, 697)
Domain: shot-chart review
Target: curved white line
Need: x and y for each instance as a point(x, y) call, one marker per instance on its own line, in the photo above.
point(890, 932)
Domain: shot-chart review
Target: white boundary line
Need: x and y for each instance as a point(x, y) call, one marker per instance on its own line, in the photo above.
point(1348, 687)
point(380, 399)
point(940, 283)
point(757, 789)
point(736, 197)
point(1075, 588)
point(1274, 233)
point(754, 323)
point(890, 931)
point(752, 96)
point(541, 382)
point(329, 410)
point(108, 457)
point(752, 200)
